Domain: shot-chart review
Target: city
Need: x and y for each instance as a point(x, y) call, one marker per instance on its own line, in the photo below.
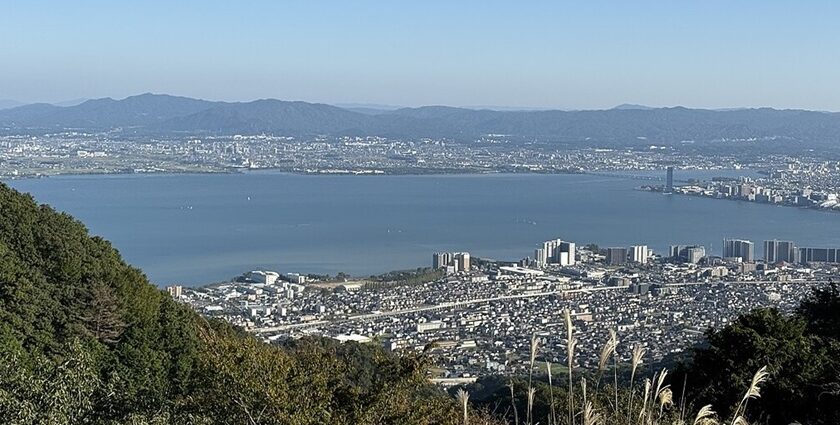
point(476, 317)
point(808, 185)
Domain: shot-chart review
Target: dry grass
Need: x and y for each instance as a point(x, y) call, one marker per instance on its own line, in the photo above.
point(657, 396)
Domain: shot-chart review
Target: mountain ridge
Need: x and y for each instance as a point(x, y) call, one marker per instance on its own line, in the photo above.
point(150, 113)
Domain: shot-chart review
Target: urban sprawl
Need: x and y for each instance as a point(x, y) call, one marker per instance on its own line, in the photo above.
point(476, 317)
point(803, 180)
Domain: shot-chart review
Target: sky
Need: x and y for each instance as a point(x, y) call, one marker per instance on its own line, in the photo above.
point(586, 54)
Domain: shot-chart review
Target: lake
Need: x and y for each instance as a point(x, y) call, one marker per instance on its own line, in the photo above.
point(195, 229)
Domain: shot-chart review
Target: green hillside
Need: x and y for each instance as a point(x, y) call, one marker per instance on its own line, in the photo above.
point(85, 338)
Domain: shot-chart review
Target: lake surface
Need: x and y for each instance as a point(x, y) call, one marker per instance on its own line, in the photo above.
point(195, 229)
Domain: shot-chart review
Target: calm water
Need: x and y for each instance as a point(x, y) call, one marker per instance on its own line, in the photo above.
point(204, 228)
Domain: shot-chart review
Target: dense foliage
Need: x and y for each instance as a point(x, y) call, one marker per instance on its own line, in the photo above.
point(801, 351)
point(85, 338)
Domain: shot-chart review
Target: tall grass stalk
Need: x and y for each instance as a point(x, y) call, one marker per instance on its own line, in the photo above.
point(583, 390)
point(513, 403)
point(552, 419)
point(662, 391)
point(666, 399)
point(535, 344)
point(606, 352)
point(570, 349)
point(615, 380)
point(705, 416)
point(635, 361)
point(643, 411)
point(590, 417)
point(463, 398)
point(754, 391)
point(682, 399)
point(531, 392)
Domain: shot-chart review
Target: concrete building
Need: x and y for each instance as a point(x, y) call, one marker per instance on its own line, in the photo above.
point(638, 254)
point(566, 255)
point(819, 255)
point(739, 248)
point(441, 259)
point(462, 259)
point(175, 291)
point(540, 259)
point(260, 276)
point(555, 251)
point(779, 251)
point(694, 254)
point(295, 278)
point(687, 253)
point(453, 263)
point(616, 256)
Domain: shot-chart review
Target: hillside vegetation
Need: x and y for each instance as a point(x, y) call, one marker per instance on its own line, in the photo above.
point(85, 338)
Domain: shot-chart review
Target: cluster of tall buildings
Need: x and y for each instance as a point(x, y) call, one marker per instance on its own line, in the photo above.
point(452, 262)
point(555, 251)
point(634, 254)
point(175, 291)
point(688, 253)
point(740, 249)
point(776, 251)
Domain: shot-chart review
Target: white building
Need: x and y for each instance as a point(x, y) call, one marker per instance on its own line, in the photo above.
point(266, 277)
point(638, 254)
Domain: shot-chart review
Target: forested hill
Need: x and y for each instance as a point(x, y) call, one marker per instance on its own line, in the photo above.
point(156, 114)
point(85, 338)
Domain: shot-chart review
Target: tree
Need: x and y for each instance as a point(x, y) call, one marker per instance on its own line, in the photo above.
point(821, 310)
point(102, 315)
point(800, 365)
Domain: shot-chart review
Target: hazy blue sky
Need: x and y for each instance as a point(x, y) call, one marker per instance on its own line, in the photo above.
point(567, 54)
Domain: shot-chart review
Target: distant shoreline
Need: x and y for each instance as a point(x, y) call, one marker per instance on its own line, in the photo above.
point(376, 172)
point(300, 173)
point(688, 195)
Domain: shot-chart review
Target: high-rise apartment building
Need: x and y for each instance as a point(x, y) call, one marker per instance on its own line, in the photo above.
point(555, 251)
point(638, 254)
point(616, 256)
point(819, 255)
point(441, 260)
point(462, 259)
point(688, 253)
point(779, 251)
point(739, 248)
point(694, 254)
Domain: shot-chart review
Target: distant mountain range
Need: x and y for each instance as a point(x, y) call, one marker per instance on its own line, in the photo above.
point(625, 124)
point(11, 103)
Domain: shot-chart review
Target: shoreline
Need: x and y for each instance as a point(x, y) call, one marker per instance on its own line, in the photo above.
point(770, 204)
point(375, 172)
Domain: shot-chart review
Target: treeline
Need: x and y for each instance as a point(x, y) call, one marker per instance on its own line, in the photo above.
point(404, 277)
point(86, 339)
